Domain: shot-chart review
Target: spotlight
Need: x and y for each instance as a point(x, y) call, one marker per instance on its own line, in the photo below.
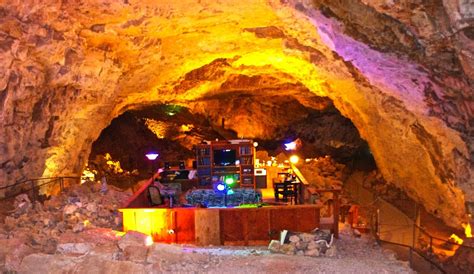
point(294, 159)
point(221, 187)
point(290, 146)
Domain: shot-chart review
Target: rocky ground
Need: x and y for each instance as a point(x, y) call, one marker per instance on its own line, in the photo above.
point(130, 255)
point(77, 232)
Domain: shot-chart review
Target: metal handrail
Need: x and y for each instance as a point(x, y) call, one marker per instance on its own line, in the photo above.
point(412, 248)
point(417, 226)
point(439, 239)
point(433, 263)
point(30, 183)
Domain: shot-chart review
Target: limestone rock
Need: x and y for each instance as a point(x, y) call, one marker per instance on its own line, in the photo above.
point(44, 263)
point(274, 246)
point(74, 248)
point(70, 209)
point(385, 66)
point(132, 238)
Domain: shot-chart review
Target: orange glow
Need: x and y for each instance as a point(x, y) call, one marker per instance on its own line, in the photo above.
point(154, 222)
point(113, 165)
point(456, 239)
point(467, 230)
point(88, 175)
point(159, 128)
point(186, 128)
point(119, 233)
point(294, 159)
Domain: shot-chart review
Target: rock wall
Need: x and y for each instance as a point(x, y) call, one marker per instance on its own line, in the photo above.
point(68, 68)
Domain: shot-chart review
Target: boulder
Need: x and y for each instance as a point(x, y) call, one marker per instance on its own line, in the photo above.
point(134, 239)
point(74, 248)
point(44, 263)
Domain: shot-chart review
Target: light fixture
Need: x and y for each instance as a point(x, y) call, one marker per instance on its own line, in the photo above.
point(152, 156)
point(229, 180)
point(255, 144)
point(221, 187)
point(290, 146)
point(294, 159)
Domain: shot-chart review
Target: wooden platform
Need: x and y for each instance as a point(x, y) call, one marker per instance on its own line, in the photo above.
point(220, 226)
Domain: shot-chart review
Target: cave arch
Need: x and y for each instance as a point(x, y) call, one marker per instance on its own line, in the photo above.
point(146, 53)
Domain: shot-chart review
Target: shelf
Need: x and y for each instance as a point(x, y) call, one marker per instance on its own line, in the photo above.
point(244, 153)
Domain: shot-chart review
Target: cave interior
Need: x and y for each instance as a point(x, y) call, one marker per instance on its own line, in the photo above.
point(376, 95)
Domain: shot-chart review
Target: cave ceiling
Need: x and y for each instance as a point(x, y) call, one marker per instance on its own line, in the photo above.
point(400, 71)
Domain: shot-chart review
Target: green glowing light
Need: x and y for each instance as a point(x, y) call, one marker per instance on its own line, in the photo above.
point(229, 181)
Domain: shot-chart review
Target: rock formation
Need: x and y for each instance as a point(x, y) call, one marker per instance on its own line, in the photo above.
point(401, 71)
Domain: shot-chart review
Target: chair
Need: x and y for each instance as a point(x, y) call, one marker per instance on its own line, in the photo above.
point(290, 191)
point(154, 196)
point(287, 190)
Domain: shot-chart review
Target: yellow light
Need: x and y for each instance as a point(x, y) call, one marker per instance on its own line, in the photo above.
point(186, 128)
point(456, 239)
point(149, 241)
point(159, 128)
point(119, 233)
point(87, 175)
point(467, 230)
point(154, 222)
point(294, 159)
point(86, 223)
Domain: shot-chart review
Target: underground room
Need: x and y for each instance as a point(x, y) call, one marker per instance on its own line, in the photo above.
point(240, 136)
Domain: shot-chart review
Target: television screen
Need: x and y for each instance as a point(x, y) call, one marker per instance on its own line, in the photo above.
point(224, 157)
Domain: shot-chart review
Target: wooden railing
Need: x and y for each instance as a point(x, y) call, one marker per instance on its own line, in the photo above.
point(306, 188)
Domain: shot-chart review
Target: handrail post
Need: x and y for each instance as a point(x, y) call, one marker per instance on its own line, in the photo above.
point(336, 214)
point(431, 244)
point(61, 184)
point(33, 192)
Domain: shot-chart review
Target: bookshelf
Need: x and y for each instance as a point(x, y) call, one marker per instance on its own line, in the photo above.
point(212, 159)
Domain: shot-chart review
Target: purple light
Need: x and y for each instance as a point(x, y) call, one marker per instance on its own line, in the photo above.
point(152, 156)
point(290, 146)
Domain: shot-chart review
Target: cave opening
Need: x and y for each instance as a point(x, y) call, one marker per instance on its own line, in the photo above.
point(173, 131)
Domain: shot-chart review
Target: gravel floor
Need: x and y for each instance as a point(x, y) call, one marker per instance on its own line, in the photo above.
point(354, 255)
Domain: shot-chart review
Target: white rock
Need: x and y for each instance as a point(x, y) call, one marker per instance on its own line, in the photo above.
point(70, 209)
point(74, 248)
point(91, 207)
point(331, 252)
point(274, 246)
point(313, 245)
point(132, 238)
point(294, 238)
point(312, 252)
point(78, 227)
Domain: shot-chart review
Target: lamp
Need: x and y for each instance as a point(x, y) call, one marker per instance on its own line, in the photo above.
point(294, 159)
point(224, 187)
point(152, 157)
point(290, 146)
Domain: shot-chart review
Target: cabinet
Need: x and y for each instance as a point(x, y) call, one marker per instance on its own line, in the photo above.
point(203, 161)
point(226, 158)
point(246, 157)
